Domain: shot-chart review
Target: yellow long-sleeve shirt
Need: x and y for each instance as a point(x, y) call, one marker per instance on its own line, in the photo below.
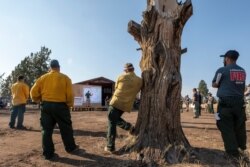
point(20, 93)
point(53, 87)
point(126, 88)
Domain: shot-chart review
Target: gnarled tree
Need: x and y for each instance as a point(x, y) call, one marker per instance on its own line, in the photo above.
point(159, 135)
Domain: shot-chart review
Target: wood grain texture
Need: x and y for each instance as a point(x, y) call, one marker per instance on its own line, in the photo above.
point(159, 136)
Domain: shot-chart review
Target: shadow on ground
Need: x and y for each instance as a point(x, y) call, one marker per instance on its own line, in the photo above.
point(205, 157)
point(93, 160)
point(212, 158)
point(78, 132)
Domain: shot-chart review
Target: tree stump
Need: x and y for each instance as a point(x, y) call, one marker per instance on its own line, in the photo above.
point(159, 138)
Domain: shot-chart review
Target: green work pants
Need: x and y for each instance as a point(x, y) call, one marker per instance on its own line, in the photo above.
point(210, 108)
point(52, 113)
point(114, 119)
point(232, 124)
point(196, 109)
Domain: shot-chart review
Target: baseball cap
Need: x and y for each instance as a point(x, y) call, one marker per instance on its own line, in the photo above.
point(233, 54)
point(54, 64)
point(128, 66)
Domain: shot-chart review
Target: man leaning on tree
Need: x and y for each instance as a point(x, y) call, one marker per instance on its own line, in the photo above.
point(127, 87)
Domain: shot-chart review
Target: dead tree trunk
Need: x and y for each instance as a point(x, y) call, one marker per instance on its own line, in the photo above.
point(159, 135)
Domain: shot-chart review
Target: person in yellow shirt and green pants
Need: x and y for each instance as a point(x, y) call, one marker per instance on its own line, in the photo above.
point(20, 95)
point(54, 91)
point(127, 87)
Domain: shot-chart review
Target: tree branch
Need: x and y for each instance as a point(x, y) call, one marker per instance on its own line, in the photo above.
point(186, 12)
point(183, 50)
point(149, 18)
point(135, 30)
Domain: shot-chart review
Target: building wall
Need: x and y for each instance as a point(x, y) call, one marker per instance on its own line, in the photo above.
point(77, 89)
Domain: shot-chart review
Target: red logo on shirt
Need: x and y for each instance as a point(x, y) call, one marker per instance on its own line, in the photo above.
point(237, 76)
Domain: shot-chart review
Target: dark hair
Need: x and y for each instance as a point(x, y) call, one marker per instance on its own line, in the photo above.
point(54, 64)
point(20, 77)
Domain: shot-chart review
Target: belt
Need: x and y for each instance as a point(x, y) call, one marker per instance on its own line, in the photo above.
point(53, 102)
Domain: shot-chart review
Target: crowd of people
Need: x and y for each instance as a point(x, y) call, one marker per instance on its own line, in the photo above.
point(53, 91)
point(207, 103)
point(198, 102)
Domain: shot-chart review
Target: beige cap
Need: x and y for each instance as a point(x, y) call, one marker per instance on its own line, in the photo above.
point(128, 66)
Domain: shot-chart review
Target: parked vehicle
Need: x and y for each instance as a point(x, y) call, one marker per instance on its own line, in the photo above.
point(2, 104)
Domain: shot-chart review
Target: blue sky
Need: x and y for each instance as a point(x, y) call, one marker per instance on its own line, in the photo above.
point(90, 39)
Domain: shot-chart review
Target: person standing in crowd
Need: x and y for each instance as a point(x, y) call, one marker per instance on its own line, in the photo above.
point(196, 103)
point(210, 103)
point(247, 97)
point(107, 101)
point(54, 91)
point(20, 95)
point(187, 100)
point(205, 102)
point(126, 88)
point(181, 104)
point(231, 118)
point(200, 101)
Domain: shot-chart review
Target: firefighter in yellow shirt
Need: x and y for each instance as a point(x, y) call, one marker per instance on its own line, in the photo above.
point(54, 91)
point(20, 95)
point(127, 87)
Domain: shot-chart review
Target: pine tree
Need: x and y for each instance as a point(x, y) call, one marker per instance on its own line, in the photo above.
point(203, 88)
point(31, 67)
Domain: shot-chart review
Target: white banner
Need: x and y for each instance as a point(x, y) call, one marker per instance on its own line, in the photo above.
point(95, 94)
point(78, 101)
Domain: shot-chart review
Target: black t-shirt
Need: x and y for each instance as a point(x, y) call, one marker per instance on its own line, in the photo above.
point(232, 82)
point(195, 97)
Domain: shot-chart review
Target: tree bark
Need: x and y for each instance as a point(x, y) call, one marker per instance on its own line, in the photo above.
point(159, 136)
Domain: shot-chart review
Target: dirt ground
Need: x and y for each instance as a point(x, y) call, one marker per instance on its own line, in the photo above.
point(22, 148)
